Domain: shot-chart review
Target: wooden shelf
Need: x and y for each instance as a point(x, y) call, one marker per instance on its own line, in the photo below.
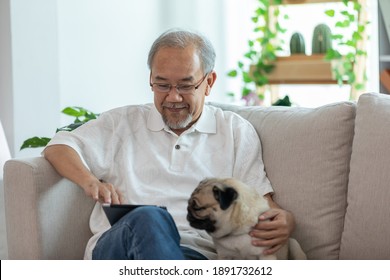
point(302, 69)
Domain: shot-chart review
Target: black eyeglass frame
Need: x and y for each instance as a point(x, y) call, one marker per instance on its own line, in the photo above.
point(193, 87)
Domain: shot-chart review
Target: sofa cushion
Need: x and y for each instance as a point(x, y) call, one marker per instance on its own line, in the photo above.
point(306, 154)
point(367, 222)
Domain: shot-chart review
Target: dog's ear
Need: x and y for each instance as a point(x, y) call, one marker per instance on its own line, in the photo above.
point(225, 196)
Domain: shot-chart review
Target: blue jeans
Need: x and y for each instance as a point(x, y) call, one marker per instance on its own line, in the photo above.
point(145, 233)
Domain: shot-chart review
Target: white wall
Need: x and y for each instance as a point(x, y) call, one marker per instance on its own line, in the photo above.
point(89, 53)
point(104, 45)
point(103, 49)
point(6, 99)
point(31, 96)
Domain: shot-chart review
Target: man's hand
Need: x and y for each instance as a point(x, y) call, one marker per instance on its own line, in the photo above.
point(273, 229)
point(69, 164)
point(103, 192)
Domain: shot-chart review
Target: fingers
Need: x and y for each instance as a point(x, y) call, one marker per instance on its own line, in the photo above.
point(109, 194)
point(270, 214)
point(269, 240)
point(116, 197)
point(272, 227)
point(92, 192)
point(272, 250)
point(274, 241)
point(104, 193)
point(273, 230)
point(269, 234)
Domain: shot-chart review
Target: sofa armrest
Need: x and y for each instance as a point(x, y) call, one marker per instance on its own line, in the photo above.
point(47, 216)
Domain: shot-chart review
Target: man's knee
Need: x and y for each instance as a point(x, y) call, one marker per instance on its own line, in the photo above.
point(144, 233)
point(149, 214)
point(148, 217)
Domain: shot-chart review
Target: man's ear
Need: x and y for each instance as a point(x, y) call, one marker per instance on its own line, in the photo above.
point(225, 197)
point(210, 81)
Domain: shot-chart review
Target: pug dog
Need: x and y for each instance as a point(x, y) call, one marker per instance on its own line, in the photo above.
point(228, 209)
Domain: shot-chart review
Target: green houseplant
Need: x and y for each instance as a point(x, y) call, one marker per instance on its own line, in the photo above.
point(81, 116)
point(259, 60)
point(347, 64)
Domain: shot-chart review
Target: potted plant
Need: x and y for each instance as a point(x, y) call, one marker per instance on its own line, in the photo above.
point(262, 50)
point(81, 116)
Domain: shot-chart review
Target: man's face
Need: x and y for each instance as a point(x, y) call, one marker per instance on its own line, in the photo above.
point(177, 66)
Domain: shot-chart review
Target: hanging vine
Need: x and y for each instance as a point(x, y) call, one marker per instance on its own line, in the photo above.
point(259, 60)
point(347, 68)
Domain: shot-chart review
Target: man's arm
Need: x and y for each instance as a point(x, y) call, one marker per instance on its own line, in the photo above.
point(69, 165)
point(274, 228)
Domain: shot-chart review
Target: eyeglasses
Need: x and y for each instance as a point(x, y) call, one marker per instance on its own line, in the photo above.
point(180, 88)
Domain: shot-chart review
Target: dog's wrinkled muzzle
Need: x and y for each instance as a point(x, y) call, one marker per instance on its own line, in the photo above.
point(199, 223)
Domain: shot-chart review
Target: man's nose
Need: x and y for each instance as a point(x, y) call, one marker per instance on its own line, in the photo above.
point(174, 96)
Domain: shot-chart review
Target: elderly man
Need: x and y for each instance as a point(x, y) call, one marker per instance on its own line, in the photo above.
point(156, 154)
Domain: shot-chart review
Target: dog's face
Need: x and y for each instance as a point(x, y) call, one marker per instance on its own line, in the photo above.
point(211, 203)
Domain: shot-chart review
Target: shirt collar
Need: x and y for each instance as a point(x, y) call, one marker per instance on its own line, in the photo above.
point(207, 122)
point(155, 121)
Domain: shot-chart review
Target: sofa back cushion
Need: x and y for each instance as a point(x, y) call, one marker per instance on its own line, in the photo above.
point(306, 154)
point(367, 222)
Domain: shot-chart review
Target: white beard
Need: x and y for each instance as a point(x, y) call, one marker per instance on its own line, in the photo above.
point(178, 124)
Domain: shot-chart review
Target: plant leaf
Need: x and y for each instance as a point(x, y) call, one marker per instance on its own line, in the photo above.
point(246, 91)
point(231, 94)
point(35, 142)
point(71, 126)
point(232, 73)
point(337, 36)
point(74, 111)
point(330, 13)
point(81, 117)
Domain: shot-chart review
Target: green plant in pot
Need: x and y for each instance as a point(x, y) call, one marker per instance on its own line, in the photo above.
point(297, 44)
point(345, 63)
point(260, 58)
point(322, 39)
point(81, 116)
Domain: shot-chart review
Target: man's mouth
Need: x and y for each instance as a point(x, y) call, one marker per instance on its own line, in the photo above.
point(175, 107)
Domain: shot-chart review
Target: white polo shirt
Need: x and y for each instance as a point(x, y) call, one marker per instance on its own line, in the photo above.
point(132, 148)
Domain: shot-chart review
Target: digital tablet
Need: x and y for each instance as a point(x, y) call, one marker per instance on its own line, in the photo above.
point(116, 211)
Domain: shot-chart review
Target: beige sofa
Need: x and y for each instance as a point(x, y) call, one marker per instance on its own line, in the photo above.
point(330, 166)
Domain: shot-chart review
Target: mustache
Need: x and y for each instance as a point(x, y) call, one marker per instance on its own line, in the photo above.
point(174, 105)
